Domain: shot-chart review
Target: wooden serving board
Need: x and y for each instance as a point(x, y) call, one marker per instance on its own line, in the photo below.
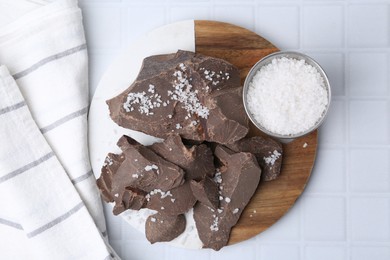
point(272, 199)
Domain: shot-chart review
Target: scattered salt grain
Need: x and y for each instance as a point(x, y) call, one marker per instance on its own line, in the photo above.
point(151, 167)
point(163, 193)
point(153, 219)
point(173, 200)
point(272, 158)
point(135, 175)
point(151, 88)
point(235, 211)
point(116, 195)
point(227, 200)
point(214, 226)
point(304, 145)
point(219, 211)
point(108, 161)
point(287, 96)
point(183, 92)
point(144, 103)
point(162, 208)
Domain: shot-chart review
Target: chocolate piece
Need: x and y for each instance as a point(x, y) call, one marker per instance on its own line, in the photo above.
point(109, 168)
point(160, 228)
point(268, 153)
point(128, 177)
point(145, 170)
point(185, 93)
point(129, 199)
point(239, 177)
point(174, 202)
point(206, 191)
point(197, 161)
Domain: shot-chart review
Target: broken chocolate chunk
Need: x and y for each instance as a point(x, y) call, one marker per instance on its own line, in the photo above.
point(239, 177)
point(128, 177)
point(185, 93)
point(174, 202)
point(129, 199)
point(161, 227)
point(206, 191)
point(197, 161)
point(268, 153)
point(109, 168)
point(145, 170)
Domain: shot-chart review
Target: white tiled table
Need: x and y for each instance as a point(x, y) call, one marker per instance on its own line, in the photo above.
point(345, 211)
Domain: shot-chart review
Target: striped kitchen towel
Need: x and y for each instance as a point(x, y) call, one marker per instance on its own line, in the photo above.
point(50, 207)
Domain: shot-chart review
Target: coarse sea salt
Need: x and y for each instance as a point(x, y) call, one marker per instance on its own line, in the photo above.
point(287, 96)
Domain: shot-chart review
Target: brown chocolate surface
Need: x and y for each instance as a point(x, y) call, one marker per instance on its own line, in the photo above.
point(145, 170)
point(264, 149)
point(185, 93)
point(174, 202)
point(206, 191)
point(197, 160)
point(128, 177)
point(160, 227)
point(239, 177)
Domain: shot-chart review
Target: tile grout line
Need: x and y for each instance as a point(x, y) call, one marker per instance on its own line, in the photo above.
point(347, 136)
point(301, 208)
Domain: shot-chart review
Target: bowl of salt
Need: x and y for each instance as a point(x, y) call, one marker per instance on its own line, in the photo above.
point(287, 95)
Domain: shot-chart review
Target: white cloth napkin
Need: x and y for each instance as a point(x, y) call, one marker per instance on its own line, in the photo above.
point(50, 207)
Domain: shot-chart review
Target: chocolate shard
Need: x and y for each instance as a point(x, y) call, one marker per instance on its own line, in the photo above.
point(206, 191)
point(145, 170)
point(162, 228)
point(185, 93)
point(174, 202)
point(111, 164)
point(128, 177)
point(239, 177)
point(129, 199)
point(268, 152)
point(197, 161)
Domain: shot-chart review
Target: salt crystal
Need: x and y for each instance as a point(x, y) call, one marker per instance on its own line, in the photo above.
point(148, 168)
point(220, 198)
point(287, 96)
point(153, 219)
point(235, 211)
point(151, 88)
point(173, 200)
point(184, 93)
point(220, 211)
point(134, 175)
point(169, 116)
point(116, 195)
point(270, 160)
point(304, 145)
point(214, 226)
point(227, 200)
point(162, 208)
point(108, 161)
